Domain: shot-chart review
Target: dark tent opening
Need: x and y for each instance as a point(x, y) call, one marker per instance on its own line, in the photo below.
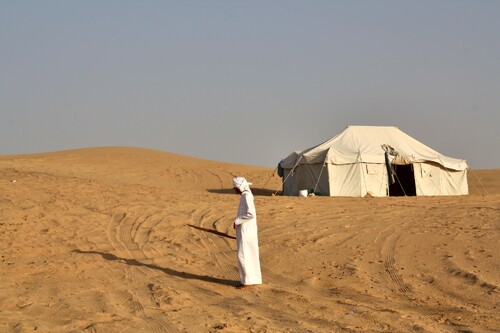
point(404, 181)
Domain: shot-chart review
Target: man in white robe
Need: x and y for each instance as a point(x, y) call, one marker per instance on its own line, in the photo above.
point(247, 242)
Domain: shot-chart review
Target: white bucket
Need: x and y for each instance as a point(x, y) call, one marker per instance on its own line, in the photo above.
point(303, 193)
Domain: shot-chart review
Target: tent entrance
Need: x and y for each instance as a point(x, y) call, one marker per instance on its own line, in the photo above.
point(404, 184)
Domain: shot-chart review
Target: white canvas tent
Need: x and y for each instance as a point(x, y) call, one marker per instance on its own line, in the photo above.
point(378, 161)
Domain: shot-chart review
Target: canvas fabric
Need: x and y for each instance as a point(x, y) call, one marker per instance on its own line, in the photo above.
point(356, 165)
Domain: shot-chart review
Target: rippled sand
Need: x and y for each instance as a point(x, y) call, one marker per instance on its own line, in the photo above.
point(137, 240)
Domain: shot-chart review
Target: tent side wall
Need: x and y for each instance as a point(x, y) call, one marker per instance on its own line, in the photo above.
point(375, 179)
point(304, 177)
point(433, 179)
point(290, 183)
point(355, 180)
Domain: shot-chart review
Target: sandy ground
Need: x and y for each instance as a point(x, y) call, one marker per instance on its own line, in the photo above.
point(136, 240)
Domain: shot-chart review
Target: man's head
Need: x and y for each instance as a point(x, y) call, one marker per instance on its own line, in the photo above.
point(241, 185)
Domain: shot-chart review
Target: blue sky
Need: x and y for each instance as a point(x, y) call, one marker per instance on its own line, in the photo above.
point(248, 81)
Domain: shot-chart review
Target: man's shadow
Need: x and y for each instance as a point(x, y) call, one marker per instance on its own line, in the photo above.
point(169, 271)
point(264, 192)
point(215, 232)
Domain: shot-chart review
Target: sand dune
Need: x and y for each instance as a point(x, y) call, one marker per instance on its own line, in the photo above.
point(136, 240)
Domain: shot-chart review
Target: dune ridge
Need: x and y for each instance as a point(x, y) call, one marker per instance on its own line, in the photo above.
point(121, 239)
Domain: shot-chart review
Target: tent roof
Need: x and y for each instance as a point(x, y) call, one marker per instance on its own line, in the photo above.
point(364, 144)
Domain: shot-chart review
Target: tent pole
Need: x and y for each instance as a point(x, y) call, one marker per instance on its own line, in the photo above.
point(382, 182)
point(400, 185)
point(358, 160)
point(272, 175)
point(479, 180)
point(319, 177)
point(291, 172)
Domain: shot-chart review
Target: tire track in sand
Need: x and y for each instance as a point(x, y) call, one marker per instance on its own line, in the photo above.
point(219, 248)
point(273, 301)
point(388, 251)
point(121, 232)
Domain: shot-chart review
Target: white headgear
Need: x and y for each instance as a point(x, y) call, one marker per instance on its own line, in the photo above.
point(241, 184)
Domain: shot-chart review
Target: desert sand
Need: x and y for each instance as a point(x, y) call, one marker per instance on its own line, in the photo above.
point(137, 240)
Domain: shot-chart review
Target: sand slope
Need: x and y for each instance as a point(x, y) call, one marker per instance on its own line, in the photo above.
point(137, 240)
